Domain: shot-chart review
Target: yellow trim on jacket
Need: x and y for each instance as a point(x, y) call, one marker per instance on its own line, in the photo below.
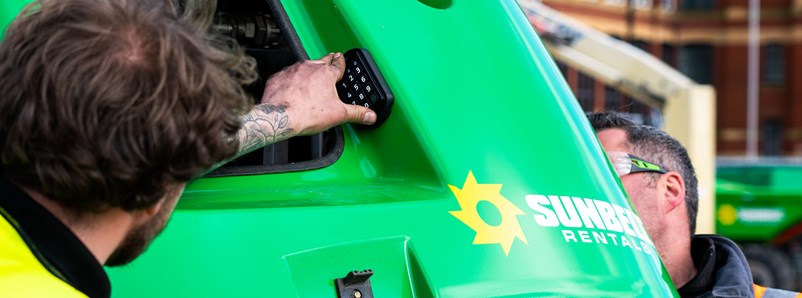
point(764, 292)
point(21, 273)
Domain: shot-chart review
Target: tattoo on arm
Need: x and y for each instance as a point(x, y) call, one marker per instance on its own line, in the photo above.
point(264, 125)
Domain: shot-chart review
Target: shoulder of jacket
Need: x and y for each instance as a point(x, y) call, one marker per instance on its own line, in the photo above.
point(21, 273)
point(764, 292)
point(36, 284)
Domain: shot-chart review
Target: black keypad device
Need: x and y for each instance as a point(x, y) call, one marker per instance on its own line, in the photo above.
point(362, 84)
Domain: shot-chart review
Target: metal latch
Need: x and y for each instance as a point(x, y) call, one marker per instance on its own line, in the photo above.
point(355, 285)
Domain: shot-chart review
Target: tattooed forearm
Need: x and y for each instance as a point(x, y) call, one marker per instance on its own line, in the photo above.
point(264, 125)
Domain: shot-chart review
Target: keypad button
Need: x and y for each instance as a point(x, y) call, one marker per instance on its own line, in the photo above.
point(356, 86)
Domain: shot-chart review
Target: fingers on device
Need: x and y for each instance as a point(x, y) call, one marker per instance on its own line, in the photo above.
point(362, 84)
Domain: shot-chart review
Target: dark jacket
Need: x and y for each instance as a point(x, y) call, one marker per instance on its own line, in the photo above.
point(722, 270)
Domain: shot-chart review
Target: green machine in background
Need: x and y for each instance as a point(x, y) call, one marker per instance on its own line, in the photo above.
point(759, 205)
point(485, 181)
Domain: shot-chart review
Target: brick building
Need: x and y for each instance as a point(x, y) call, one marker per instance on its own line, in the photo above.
point(707, 41)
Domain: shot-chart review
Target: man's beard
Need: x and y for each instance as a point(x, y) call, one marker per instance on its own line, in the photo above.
point(138, 239)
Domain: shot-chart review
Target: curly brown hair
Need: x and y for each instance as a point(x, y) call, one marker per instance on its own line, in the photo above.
point(106, 103)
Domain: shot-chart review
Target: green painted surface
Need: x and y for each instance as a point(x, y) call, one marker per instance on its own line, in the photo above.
point(475, 92)
point(8, 10)
point(757, 203)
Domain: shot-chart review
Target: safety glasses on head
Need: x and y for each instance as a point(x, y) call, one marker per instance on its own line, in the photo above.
point(625, 163)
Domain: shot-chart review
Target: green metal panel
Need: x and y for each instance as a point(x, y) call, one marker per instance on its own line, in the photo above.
point(475, 92)
point(477, 97)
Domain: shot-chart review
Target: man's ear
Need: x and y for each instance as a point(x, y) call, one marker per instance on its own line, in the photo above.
point(152, 210)
point(166, 203)
point(673, 190)
point(146, 214)
point(168, 200)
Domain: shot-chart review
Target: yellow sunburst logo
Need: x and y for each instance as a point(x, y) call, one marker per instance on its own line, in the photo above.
point(469, 197)
point(727, 214)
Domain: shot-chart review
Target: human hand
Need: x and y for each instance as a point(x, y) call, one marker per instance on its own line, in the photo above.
point(307, 92)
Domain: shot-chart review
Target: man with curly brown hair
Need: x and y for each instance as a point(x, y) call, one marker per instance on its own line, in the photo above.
point(109, 108)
